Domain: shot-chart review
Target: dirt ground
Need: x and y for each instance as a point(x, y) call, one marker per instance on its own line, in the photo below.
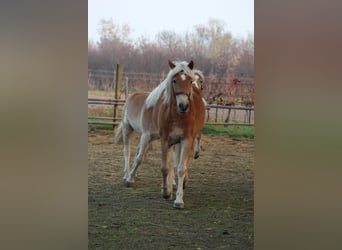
point(219, 202)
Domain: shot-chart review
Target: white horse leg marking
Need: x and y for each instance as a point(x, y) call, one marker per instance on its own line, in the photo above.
point(182, 171)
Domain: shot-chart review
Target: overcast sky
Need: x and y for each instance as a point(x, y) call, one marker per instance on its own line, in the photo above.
point(148, 17)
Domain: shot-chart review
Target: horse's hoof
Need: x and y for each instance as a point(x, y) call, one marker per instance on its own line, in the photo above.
point(178, 205)
point(128, 183)
point(167, 196)
point(196, 155)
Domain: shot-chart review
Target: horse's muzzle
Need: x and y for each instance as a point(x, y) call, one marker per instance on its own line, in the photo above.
point(182, 103)
point(183, 108)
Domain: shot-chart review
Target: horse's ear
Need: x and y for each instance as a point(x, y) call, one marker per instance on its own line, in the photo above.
point(171, 64)
point(191, 64)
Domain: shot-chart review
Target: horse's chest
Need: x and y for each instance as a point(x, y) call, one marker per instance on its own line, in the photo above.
point(175, 135)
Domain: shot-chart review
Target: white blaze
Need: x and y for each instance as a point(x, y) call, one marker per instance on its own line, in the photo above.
point(183, 76)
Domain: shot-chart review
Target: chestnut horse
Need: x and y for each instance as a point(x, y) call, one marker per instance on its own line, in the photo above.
point(199, 84)
point(174, 113)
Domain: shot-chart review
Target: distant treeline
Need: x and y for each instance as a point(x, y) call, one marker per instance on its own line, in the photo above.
point(213, 49)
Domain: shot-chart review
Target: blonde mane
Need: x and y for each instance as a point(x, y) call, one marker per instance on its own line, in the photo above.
point(166, 86)
point(199, 73)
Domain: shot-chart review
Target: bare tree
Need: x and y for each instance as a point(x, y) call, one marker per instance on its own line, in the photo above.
point(215, 51)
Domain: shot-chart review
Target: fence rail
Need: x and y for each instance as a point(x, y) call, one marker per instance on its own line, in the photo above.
point(212, 112)
point(105, 101)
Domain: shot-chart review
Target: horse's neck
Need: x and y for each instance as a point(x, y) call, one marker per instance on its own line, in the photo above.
point(196, 90)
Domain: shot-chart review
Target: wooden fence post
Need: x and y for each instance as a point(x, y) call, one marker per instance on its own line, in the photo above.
point(208, 113)
point(116, 94)
point(227, 119)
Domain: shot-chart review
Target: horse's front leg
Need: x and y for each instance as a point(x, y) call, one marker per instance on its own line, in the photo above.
point(165, 169)
point(144, 141)
point(176, 155)
point(171, 161)
point(185, 150)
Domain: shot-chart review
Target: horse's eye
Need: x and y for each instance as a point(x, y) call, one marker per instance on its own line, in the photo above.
point(173, 81)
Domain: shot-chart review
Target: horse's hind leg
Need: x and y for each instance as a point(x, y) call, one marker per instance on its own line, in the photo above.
point(144, 141)
point(166, 170)
point(135, 177)
point(127, 131)
point(197, 146)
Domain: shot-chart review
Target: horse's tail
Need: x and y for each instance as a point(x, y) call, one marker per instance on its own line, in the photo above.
point(118, 135)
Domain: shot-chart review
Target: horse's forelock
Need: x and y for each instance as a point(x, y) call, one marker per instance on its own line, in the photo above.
point(180, 67)
point(199, 73)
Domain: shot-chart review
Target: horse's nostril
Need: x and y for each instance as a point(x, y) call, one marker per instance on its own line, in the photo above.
point(183, 107)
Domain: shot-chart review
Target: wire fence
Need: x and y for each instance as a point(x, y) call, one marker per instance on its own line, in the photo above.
point(230, 100)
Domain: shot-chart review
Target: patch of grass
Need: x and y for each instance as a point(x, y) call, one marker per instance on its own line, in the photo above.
point(100, 111)
point(231, 131)
point(100, 127)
